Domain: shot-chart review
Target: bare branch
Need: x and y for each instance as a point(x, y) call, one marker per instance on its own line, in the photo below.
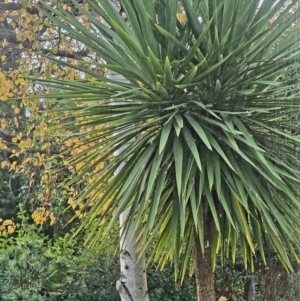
point(9, 36)
point(64, 53)
point(17, 6)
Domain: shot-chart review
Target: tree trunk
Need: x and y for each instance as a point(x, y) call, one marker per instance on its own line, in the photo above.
point(203, 263)
point(249, 289)
point(132, 285)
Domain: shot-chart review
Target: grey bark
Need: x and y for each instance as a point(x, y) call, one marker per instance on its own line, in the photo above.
point(249, 289)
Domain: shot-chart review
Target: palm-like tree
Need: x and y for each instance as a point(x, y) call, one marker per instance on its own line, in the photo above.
point(209, 127)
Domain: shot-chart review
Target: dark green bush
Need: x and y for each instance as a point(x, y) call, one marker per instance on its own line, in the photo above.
point(32, 268)
point(272, 283)
point(28, 269)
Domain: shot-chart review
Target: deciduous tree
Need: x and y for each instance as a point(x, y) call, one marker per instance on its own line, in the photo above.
point(25, 37)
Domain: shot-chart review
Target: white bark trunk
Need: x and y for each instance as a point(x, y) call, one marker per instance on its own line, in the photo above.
point(132, 285)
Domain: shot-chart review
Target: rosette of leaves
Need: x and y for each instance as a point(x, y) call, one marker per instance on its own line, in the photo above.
point(207, 130)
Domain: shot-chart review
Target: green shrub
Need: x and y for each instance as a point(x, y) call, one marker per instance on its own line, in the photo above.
point(34, 269)
point(272, 281)
point(28, 271)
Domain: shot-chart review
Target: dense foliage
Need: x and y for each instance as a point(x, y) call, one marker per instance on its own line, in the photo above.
point(221, 112)
point(32, 268)
point(25, 36)
point(207, 117)
point(9, 190)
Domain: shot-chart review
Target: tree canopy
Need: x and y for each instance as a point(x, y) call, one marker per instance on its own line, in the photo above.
point(206, 113)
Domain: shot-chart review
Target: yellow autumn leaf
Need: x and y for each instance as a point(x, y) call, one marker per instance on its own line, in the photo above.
point(80, 214)
point(3, 146)
point(13, 165)
point(54, 66)
point(4, 124)
point(36, 163)
point(181, 17)
point(2, 78)
point(39, 216)
point(52, 218)
point(4, 43)
point(22, 145)
point(75, 140)
point(47, 192)
point(81, 205)
point(69, 142)
point(4, 163)
point(33, 107)
point(71, 202)
point(79, 165)
point(3, 58)
point(11, 229)
point(7, 222)
point(17, 110)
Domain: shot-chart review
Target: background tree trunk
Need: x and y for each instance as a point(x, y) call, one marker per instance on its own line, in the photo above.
point(249, 289)
point(203, 263)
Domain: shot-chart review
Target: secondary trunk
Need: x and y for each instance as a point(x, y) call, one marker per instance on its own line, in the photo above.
point(249, 289)
point(203, 264)
point(132, 285)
